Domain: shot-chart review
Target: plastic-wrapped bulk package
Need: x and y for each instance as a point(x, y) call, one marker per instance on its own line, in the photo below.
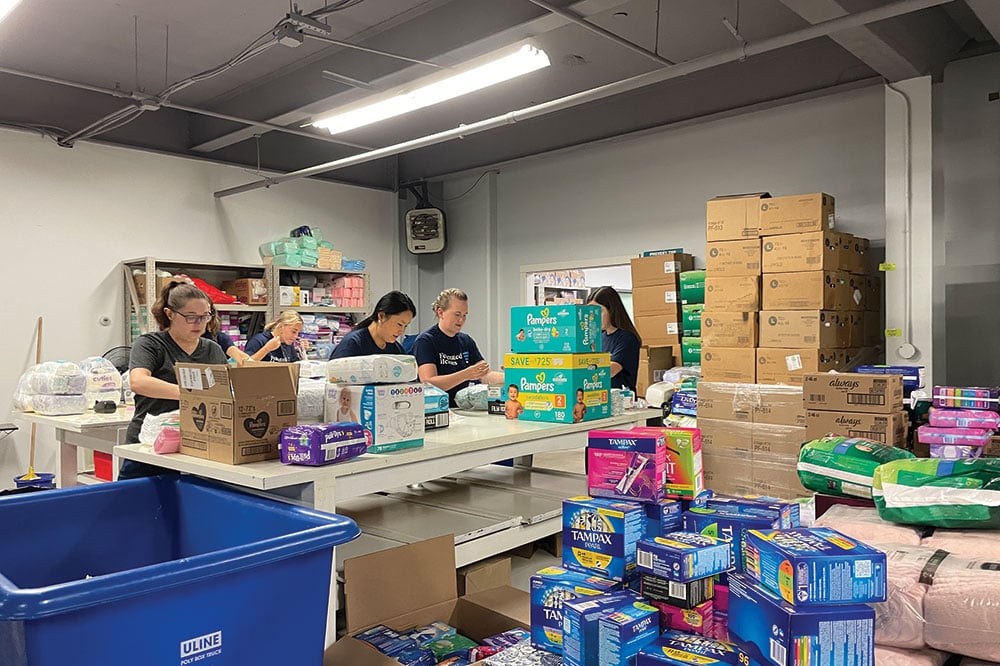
point(865, 525)
point(59, 378)
point(474, 397)
point(899, 621)
point(973, 544)
point(962, 607)
point(59, 405)
point(938, 492)
point(375, 369)
point(312, 369)
point(23, 393)
point(844, 466)
point(154, 423)
point(104, 382)
point(886, 656)
point(310, 400)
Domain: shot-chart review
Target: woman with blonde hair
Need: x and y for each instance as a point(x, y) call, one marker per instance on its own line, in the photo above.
point(279, 343)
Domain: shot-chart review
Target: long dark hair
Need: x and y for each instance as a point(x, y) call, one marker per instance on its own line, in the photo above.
point(395, 302)
point(609, 298)
point(175, 296)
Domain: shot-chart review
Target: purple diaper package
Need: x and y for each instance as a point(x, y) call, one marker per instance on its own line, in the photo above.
point(964, 418)
point(952, 451)
point(322, 444)
point(956, 436)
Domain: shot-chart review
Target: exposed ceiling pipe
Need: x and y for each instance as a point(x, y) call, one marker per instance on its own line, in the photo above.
point(122, 94)
point(365, 49)
point(601, 92)
point(573, 17)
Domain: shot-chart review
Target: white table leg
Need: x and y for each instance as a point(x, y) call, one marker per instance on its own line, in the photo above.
point(66, 462)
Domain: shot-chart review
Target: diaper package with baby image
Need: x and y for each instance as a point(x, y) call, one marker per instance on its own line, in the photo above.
point(558, 388)
point(322, 444)
point(375, 369)
point(392, 414)
point(555, 329)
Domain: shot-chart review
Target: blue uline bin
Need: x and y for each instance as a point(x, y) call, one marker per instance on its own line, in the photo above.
point(164, 571)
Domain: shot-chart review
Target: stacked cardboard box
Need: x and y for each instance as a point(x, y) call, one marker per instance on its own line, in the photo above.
point(816, 285)
point(751, 434)
point(656, 301)
point(653, 362)
point(855, 405)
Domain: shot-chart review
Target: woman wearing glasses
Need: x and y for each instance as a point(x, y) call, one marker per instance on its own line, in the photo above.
point(182, 311)
point(279, 343)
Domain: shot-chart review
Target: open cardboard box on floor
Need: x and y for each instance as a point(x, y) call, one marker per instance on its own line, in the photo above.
point(412, 586)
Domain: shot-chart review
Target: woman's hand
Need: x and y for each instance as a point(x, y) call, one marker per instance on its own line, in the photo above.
point(477, 371)
point(274, 344)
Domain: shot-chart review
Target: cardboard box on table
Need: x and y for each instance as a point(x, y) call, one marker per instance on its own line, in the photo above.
point(549, 385)
point(555, 329)
point(412, 586)
point(235, 415)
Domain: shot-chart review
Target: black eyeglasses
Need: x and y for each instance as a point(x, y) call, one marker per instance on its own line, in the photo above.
point(196, 319)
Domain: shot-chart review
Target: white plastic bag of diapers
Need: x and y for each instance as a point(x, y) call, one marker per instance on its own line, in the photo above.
point(59, 378)
point(153, 424)
point(23, 393)
point(375, 369)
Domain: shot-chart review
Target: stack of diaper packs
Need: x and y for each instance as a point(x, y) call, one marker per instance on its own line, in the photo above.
point(380, 393)
point(57, 388)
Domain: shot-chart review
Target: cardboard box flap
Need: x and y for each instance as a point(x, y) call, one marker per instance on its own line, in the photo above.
point(748, 195)
point(495, 610)
point(399, 580)
point(208, 380)
point(265, 379)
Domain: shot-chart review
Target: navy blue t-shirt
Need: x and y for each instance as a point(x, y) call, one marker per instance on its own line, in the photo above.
point(624, 349)
point(283, 354)
point(221, 339)
point(360, 342)
point(449, 354)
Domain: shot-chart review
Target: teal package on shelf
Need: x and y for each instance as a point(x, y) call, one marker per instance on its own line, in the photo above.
point(817, 566)
point(187, 587)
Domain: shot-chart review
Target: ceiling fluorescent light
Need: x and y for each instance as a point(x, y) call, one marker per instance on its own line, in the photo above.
point(366, 112)
point(6, 6)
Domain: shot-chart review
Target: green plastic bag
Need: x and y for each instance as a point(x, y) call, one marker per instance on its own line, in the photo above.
point(940, 492)
point(844, 466)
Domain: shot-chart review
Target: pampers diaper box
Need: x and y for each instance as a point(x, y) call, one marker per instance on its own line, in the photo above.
point(674, 648)
point(554, 329)
point(560, 388)
point(774, 632)
point(819, 566)
point(549, 588)
point(625, 464)
point(599, 536)
point(393, 414)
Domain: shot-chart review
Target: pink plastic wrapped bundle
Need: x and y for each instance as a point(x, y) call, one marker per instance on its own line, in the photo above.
point(955, 436)
point(962, 608)
point(971, 544)
point(964, 418)
point(886, 656)
point(899, 622)
point(865, 525)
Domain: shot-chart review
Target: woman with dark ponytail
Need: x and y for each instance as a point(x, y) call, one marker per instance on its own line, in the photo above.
point(619, 337)
point(379, 332)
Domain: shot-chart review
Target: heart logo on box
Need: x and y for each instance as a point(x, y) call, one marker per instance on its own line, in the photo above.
point(257, 426)
point(198, 416)
point(540, 377)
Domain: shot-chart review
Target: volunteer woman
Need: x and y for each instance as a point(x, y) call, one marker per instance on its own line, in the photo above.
point(182, 311)
point(446, 357)
point(379, 333)
point(279, 342)
point(618, 337)
point(214, 333)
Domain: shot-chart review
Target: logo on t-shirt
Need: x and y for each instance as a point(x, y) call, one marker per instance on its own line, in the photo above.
point(453, 359)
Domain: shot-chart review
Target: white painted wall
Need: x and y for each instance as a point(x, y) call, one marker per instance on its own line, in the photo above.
point(618, 198)
point(70, 216)
point(969, 143)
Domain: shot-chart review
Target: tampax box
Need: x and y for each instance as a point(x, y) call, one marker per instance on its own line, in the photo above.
point(807, 290)
point(823, 329)
point(685, 478)
point(628, 465)
point(624, 632)
point(787, 366)
point(550, 587)
point(728, 329)
point(797, 213)
point(236, 415)
point(774, 632)
point(662, 516)
point(715, 523)
point(729, 364)
point(818, 566)
point(697, 620)
point(882, 428)
point(392, 414)
point(852, 392)
point(581, 620)
point(683, 556)
point(755, 505)
point(379, 589)
point(659, 269)
point(599, 536)
point(738, 293)
point(555, 329)
point(813, 251)
point(561, 388)
point(734, 217)
point(675, 648)
point(682, 595)
point(738, 257)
